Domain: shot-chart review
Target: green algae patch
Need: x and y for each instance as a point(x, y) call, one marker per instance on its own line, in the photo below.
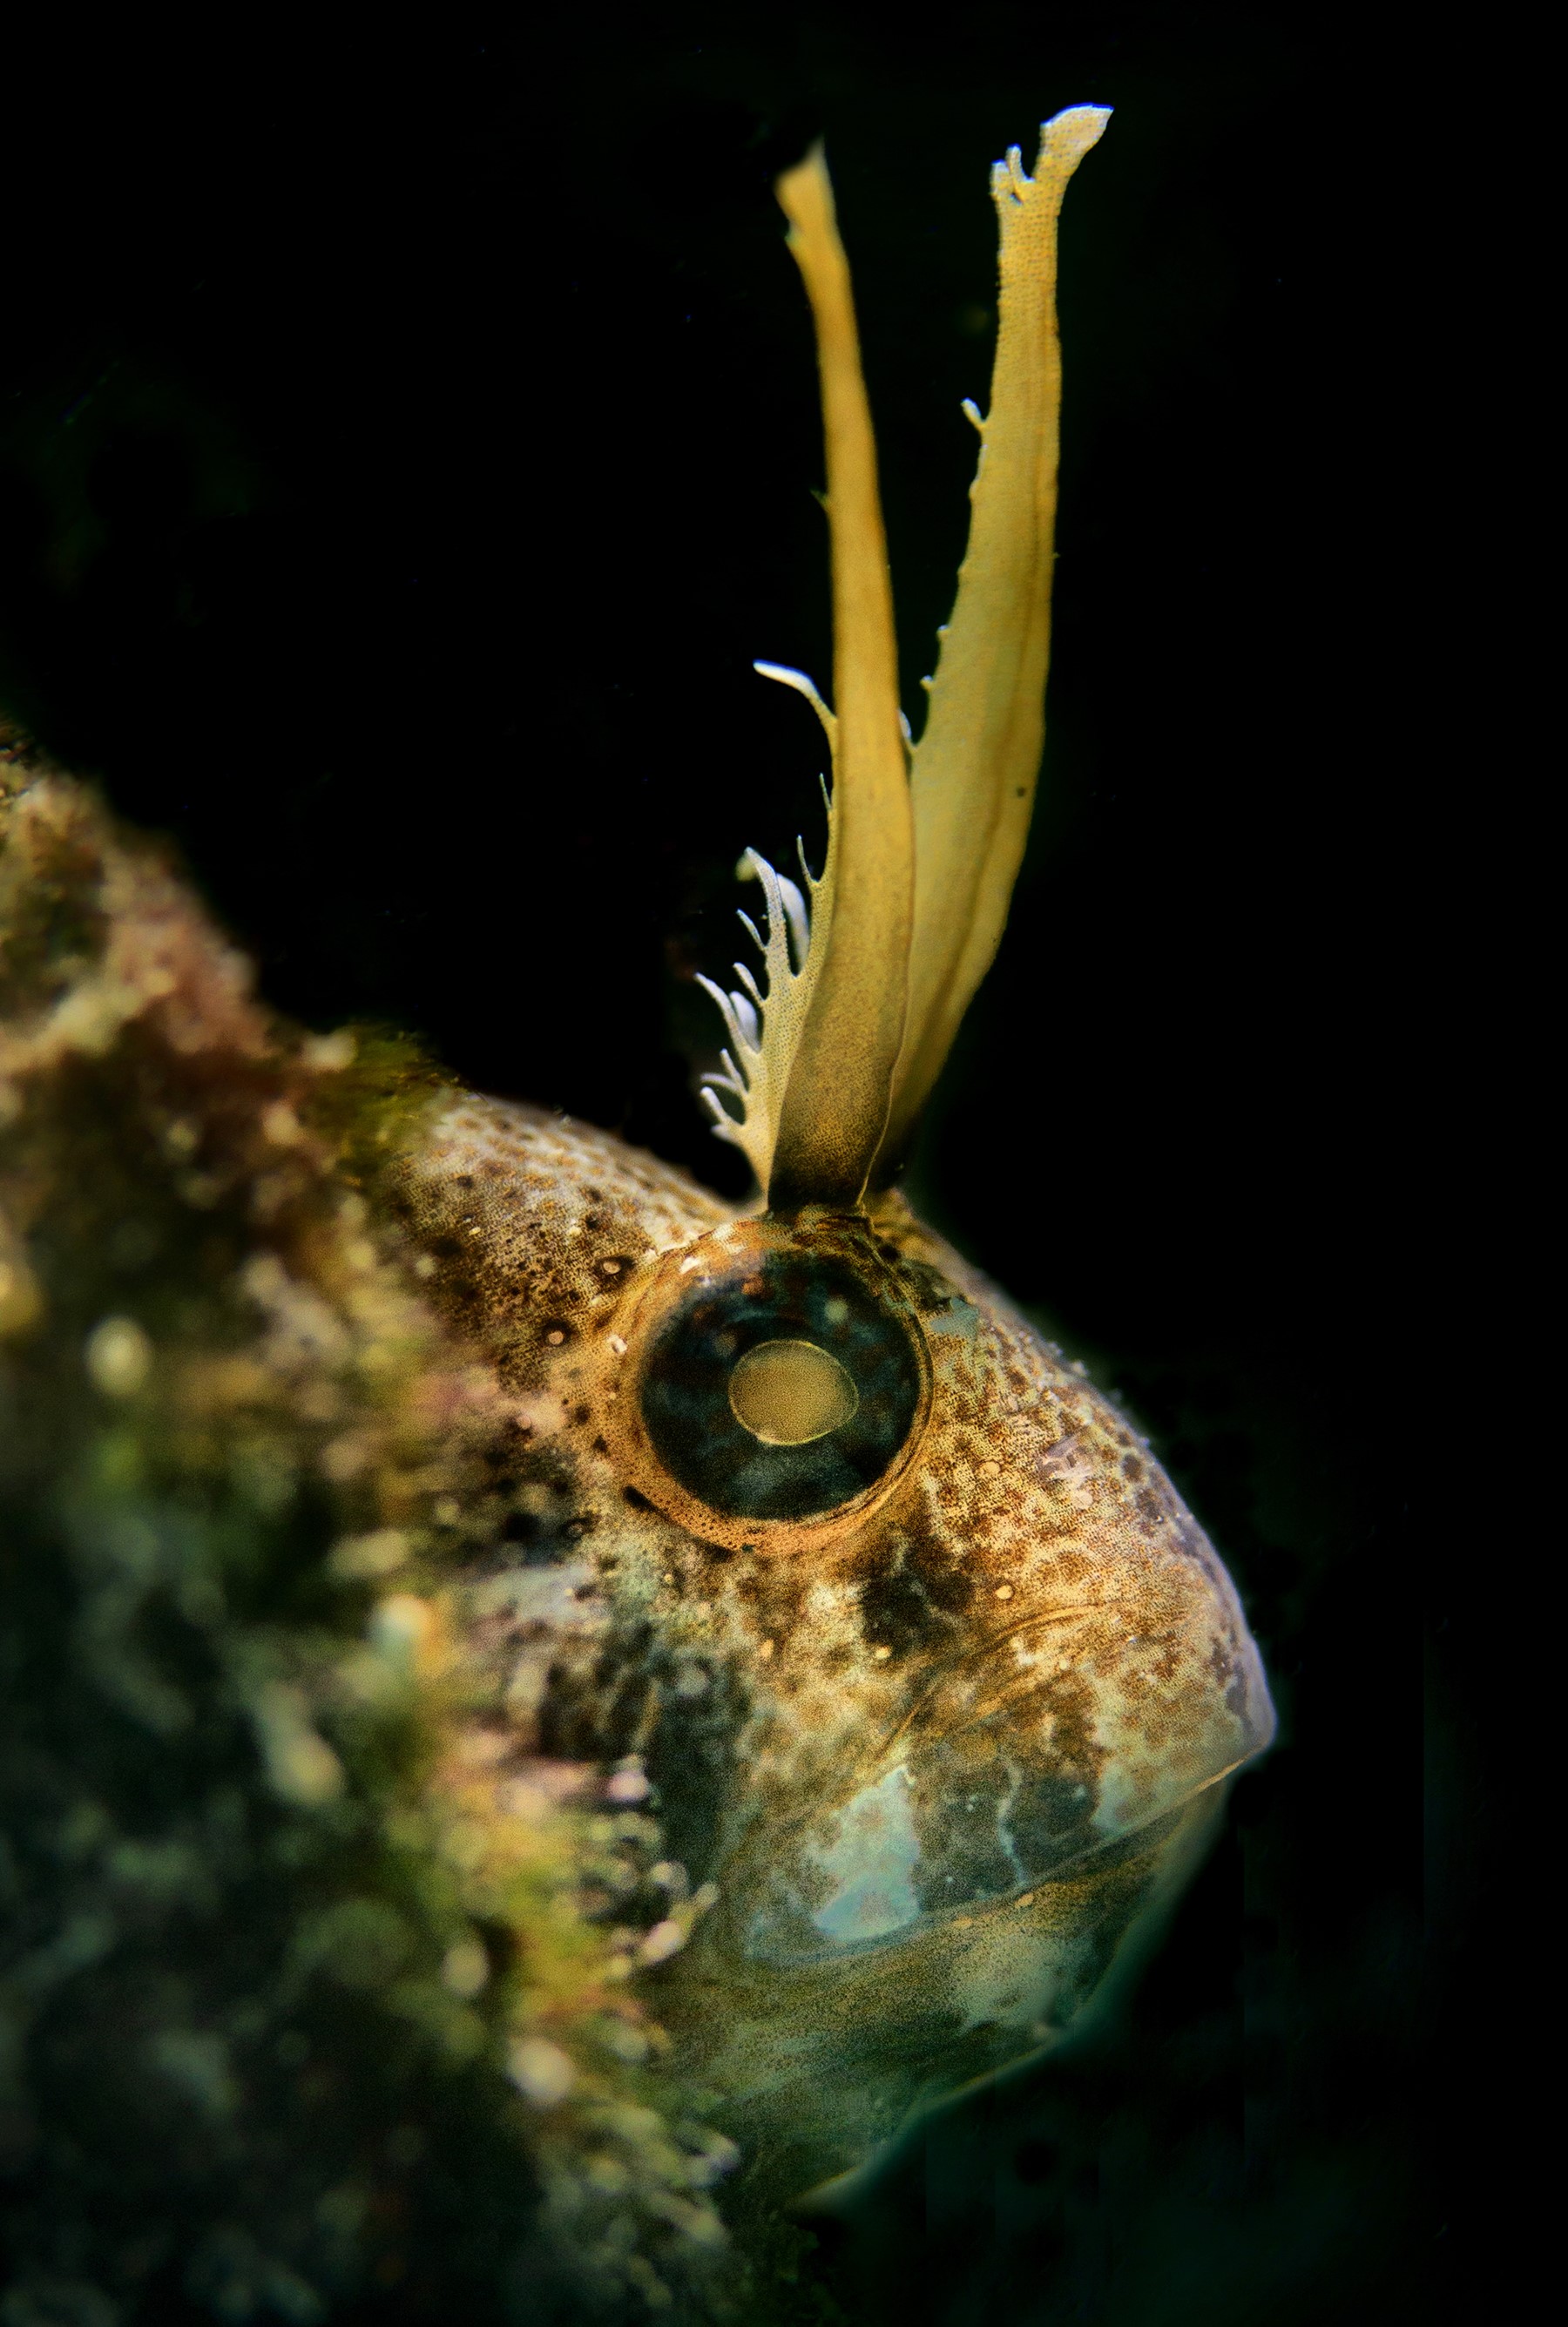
point(302, 2013)
point(374, 1089)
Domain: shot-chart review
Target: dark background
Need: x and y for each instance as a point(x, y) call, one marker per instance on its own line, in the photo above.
point(405, 447)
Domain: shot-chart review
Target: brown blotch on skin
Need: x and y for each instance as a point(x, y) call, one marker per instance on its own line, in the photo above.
point(912, 1588)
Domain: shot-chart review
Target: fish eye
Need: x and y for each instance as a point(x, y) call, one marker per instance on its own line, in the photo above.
point(783, 1384)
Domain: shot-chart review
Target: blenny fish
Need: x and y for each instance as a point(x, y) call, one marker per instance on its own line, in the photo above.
point(885, 1609)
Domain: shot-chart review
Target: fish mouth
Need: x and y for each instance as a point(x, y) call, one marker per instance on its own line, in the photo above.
point(954, 1900)
point(1022, 1763)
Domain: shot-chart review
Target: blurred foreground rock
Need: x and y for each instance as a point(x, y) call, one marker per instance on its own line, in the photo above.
point(293, 2024)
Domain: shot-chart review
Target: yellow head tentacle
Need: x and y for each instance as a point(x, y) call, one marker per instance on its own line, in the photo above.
point(975, 766)
point(924, 846)
point(834, 1108)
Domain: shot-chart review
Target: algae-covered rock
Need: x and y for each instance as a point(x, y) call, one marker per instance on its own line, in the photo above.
point(292, 2024)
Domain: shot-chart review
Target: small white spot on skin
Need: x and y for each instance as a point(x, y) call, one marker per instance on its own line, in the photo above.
point(539, 1416)
point(687, 1266)
point(612, 1268)
point(882, 1655)
point(1004, 1591)
point(617, 1345)
point(425, 1266)
point(554, 1337)
point(628, 1786)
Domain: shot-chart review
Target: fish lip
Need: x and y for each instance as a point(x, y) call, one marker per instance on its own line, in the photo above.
point(1000, 1903)
point(741, 1900)
point(1119, 1808)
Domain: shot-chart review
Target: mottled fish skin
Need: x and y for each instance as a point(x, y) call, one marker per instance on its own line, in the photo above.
point(938, 1756)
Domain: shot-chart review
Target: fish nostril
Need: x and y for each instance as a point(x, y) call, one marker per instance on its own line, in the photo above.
point(788, 1393)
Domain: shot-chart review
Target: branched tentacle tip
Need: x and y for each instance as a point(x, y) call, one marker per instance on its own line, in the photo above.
point(795, 914)
point(752, 1068)
point(764, 1012)
point(802, 685)
point(724, 1126)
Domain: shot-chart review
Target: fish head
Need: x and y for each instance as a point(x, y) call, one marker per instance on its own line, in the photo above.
point(934, 1679)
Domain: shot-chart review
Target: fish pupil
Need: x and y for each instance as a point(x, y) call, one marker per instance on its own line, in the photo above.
point(787, 1393)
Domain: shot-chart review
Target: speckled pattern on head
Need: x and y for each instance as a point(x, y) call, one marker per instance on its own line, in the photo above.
point(934, 1758)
